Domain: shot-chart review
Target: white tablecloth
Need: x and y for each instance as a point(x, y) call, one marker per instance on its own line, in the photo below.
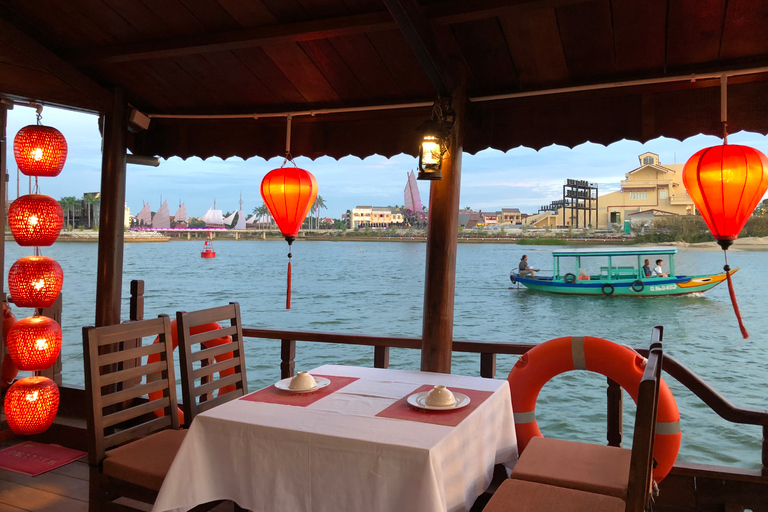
point(335, 455)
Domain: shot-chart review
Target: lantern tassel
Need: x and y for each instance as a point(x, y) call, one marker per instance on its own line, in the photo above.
point(288, 296)
point(732, 293)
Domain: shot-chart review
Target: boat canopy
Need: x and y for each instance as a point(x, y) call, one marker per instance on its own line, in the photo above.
point(614, 268)
point(623, 251)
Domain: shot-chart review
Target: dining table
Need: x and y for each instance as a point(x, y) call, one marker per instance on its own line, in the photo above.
point(355, 445)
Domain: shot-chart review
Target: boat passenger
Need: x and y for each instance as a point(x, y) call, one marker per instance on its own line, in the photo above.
point(658, 271)
point(647, 268)
point(524, 269)
point(583, 276)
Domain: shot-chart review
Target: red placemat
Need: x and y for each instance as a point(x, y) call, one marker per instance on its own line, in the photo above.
point(33, 459)
point(272, 395)
point(401, 410)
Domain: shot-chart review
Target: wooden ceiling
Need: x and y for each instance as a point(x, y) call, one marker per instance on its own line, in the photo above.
point(270, 56)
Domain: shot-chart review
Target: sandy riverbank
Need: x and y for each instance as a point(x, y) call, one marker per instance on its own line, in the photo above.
point(741, 244)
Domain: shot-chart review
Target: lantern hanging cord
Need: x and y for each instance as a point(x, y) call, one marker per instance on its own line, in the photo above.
point(732, 293)
point(288, 157)
point(724, 105)
point(40, 116)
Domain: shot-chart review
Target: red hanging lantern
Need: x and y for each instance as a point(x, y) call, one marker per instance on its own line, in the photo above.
point(31, 405)
point(34, 343)
point(40, 150)
point(35, 220)
point(726, 183)
point(289, 193)
point(35, 281)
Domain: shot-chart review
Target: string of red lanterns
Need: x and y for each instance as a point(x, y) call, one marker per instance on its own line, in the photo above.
point(34, 343)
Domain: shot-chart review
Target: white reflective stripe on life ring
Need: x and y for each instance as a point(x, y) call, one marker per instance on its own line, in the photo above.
point(577, 351)
point(668, 428)
point(525, 417)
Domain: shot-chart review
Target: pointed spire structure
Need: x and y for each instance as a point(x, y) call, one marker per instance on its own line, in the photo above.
point(144, 217)
point(240, 215)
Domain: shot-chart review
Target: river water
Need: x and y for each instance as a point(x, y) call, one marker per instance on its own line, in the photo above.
point(376, 288)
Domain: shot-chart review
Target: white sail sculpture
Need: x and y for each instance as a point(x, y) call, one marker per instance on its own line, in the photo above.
point(260, 222)
point(144, 217)
point(240, 216)
point(228, 220)
point(162, 218)
point(412, 197)
point(213, 218)
point(181, 214)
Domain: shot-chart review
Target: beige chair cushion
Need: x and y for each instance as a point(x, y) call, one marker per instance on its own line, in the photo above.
point(522, 496)
point(146, 461)
point(581, 466)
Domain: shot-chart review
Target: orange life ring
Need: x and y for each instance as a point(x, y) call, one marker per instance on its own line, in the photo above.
point(9, 370)
point(153, 358)
point(621, 364)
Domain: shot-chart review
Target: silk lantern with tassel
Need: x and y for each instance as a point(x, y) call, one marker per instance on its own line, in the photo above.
point(726, 183)
point(289, 193)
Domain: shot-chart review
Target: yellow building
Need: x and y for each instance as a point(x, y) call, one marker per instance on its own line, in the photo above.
point(652, 187)
point(510, 216)
point(373, 216)
point(127, 220)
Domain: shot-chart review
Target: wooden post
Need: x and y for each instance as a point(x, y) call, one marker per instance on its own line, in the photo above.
point(109, 273)
point(442, 233)
point(137, 300)
point(488, 365)
point(380, 357)
point(287, 357)
point(615, 414)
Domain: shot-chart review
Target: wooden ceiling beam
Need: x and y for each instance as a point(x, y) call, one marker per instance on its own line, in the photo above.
point(420, 37)
point(461, 11)
point(239, 39)
point(443, 13)
point(55, 65)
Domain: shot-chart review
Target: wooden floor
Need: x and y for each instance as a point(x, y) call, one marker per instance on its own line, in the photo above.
point(61, 490)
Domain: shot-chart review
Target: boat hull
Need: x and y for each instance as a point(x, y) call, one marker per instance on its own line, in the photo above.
point(649, 287)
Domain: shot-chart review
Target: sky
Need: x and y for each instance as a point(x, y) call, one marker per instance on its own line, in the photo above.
point(520, 178)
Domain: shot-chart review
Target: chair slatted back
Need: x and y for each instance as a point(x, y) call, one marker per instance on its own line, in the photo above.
point(205, 364)
point(641, 462)
point(118, 411)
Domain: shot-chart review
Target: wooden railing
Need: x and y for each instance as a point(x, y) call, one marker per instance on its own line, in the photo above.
point(488, 352)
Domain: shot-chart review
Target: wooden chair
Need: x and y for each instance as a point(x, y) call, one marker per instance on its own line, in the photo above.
point(551, 474)
point(130, 449)
point(197, 360)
